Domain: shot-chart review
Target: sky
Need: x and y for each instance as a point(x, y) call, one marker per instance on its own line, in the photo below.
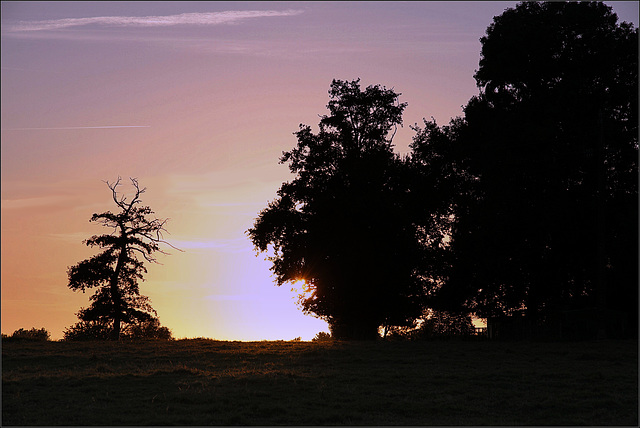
point(197, 100)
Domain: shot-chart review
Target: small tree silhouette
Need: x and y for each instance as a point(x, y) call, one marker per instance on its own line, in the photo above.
point(115, 271)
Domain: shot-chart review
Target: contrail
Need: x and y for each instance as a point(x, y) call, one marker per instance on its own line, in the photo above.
point(78, 127)
point(211, 18)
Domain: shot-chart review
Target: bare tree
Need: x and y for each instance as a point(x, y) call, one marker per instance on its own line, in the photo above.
point(116, 270)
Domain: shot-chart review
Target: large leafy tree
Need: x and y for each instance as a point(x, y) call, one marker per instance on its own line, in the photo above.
point(346, 223)
point(115, 272)
point(551, 145)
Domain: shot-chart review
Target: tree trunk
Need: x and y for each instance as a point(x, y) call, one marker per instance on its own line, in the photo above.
point(115, 293)
point(354, 330)
point(601, 260)
point(531, 318)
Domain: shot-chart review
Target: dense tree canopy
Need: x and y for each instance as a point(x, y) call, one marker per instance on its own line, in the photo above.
point(527, 204)
point(547, 154)
point(346, 224)
point(115, 271)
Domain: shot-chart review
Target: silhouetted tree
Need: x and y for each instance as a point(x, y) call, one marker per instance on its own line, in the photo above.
point(346, 223)
point(549, 149)
point(116, 270)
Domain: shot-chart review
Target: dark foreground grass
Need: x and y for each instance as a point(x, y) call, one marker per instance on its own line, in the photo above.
point(203, 382)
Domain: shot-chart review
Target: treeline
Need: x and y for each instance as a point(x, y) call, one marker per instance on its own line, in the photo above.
point(89, 331)
point(528, 204)
point(31, 335)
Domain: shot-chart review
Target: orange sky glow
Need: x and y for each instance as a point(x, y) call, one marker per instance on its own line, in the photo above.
point(197, 100)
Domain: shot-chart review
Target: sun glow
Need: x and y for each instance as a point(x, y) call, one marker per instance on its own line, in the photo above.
point(206, 148)
point(302, 289)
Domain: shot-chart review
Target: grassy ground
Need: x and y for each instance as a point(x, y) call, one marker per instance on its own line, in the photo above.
point(202, 382)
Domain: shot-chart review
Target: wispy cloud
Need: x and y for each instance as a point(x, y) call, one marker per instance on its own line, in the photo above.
point(77, 127)
point(37, 202)
point(209, 18)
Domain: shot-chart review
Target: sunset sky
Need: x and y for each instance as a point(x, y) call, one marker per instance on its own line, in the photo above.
point(197, 100)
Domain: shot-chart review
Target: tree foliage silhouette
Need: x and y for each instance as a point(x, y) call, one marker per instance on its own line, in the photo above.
point(445, 189)
point(346, 223)
point(103, 330)
point(33, 334)
point(548, 154)
point(116, 270)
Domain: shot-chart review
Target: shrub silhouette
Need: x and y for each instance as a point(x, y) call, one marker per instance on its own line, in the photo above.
point(34, 334)
point(87, 330)
point(97, 330)
point(148, 330)
point(322, 337)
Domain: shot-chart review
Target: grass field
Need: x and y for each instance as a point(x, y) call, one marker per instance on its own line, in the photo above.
point(205, 382)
